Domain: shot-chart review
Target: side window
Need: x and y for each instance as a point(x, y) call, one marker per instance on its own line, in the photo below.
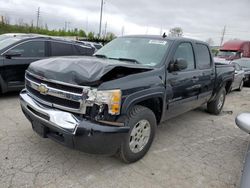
point(30, 49)
point(81, 50)
point(185, 51)
point(203, 56)
point(61, 49)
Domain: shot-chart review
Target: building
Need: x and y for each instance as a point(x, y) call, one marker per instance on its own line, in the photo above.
point(1, 19)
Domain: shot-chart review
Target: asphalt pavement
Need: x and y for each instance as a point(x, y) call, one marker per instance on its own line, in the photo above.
point(195, 149)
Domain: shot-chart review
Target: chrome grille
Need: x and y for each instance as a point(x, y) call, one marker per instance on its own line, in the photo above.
point(57, 94)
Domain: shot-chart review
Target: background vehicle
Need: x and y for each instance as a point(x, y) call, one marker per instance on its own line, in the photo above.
point(243, 122)
point(114, 100)
point(93, 45)
point(239, 77)
point(245, 64)
point(17, 51)
point(235, 49)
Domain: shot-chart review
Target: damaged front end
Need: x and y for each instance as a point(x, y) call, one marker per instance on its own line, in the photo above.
point(85, 101)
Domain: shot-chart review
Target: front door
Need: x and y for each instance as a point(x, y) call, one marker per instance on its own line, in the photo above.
point(183, 85)
point(15, 66)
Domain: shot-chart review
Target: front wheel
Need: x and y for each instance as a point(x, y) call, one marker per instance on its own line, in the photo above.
point(142, 123)
point(215, 106)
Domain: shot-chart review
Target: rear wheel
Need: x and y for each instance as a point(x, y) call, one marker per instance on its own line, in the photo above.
point(215, 106)
point(142, 123)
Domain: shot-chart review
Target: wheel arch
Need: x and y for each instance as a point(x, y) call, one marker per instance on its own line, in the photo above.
point(153, 101)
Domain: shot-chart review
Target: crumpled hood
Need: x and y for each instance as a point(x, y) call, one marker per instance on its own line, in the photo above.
point(80, 70)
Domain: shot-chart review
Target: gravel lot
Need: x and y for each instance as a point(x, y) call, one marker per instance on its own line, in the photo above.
point(192, 150)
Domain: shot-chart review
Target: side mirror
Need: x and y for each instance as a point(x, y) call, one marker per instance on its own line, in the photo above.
point(10, 54)
point(243, 122)
point(178, 65)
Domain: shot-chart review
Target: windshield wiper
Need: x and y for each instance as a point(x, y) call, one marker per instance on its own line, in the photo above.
point(120, 58)
point(127, 59)
point(101, 56)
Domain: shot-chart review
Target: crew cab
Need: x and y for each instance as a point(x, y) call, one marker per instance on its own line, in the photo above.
point(17, 51)
point(111, 103)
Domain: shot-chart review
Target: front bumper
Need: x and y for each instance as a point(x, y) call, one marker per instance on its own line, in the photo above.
point(71, 130)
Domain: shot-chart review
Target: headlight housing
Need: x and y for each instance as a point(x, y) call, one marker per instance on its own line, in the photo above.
point(112, 98)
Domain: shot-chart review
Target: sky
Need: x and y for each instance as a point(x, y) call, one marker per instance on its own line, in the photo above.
point(199, 19)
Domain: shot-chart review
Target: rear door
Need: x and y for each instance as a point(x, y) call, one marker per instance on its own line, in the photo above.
point(59, 48)
point(206, 72)
point(14, 67)
point(184, 84)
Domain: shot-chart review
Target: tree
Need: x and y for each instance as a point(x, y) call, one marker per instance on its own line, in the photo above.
point(82, 33)
point(91, 35)
point(210, 41)
point(110, 36)
point(175, 32)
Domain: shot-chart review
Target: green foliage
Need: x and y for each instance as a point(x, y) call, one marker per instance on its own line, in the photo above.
point(82, 33)
point(110, 36)
point(215, 51)
point(78, 33)
point(176, 32)
point(91, 35)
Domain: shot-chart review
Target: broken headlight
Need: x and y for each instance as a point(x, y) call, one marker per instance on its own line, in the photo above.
point(112, 98)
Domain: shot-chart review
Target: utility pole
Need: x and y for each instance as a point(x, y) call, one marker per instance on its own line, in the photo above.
point(100, 25)
point(105, 29)
point(87, 24)
point(37, 17)
point(223, 34)
point(123, 30)
point(161, 30)
point(66, 26)
point(146, 32)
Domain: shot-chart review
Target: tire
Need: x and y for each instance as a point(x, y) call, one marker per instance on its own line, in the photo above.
point(215, 106)
point(142, 123)
point(241, 85)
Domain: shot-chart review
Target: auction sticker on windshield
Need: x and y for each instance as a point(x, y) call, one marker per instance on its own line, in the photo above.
point(161, 42)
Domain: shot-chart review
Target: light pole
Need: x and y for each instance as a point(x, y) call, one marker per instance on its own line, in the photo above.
point(100, 25)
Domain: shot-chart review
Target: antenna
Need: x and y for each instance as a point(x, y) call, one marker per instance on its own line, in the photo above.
point(164, 35)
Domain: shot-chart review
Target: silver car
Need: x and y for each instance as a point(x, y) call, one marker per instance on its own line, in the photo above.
point(243, 122)
point(238, 77)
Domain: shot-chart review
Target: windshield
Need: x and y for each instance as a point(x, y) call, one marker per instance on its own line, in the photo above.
point(7, 41)
point(243, 62)
point(227, 53)
point(144, 51)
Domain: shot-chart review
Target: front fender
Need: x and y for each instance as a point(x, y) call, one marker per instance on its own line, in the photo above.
point(140, 96)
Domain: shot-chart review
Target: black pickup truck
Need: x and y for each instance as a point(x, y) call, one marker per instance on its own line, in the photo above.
point(112, 103)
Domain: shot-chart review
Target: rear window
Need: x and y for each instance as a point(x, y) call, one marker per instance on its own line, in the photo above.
point(203, 56)
point(62, 49)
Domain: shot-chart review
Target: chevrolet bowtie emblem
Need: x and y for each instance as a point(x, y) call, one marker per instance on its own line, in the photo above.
point(43, 89)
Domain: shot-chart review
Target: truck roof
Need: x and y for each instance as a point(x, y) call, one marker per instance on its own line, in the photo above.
point(159, 37)
point(233, 45)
